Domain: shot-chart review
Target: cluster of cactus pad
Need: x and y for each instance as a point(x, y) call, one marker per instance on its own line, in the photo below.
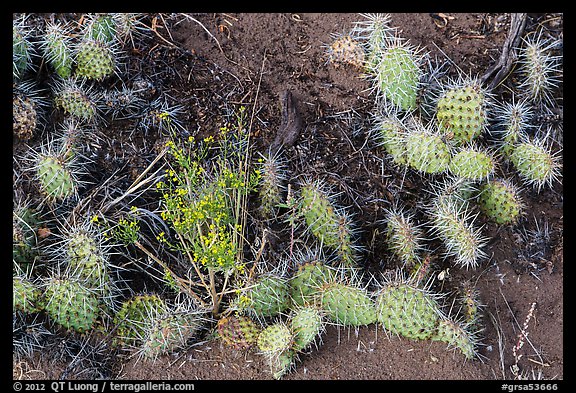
point(317, 294)
point(282, 314)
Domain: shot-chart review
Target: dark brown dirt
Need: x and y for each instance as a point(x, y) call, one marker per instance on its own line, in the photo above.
point(251, 59)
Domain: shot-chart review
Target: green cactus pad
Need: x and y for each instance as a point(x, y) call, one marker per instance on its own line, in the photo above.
point(499, 200)
point(397, 75)
point(472, 164)
point(469, 299)
point(306, 324)
point(461, 113)
point(457, 336)
point(348, 305)
point(72, 305)
point(271, 184)
point(94, 60)
point(512, 123)
point(101, 27)
point(75, 102)
point(330, 227)
point(275, 339)
point(391, 134)
point(408, 311)
point(21, 50)
point(307, 281)
point(57, 49)
point(238, 331)
point(86, 259)
point(535, 163)
point(132, 317)
point(25, 223)
point(269, 296)
point(282, 364)
point(427, 152)
point(25, 295)
point(167, 333)
point(403, 237)
point(454, 225)
point(56, 181)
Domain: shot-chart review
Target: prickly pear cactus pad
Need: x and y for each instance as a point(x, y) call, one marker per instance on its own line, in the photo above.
point(306, 324)
point(307, 281)
point(539, 69)
point(24, 116)
point(332, 227)
point(427, 152)
point(70, 304)
point(25, 223)
point(269, 296)
point(397, 75)
point(238, 331)
point(454, 225)
point(461, 113)
point(167, 333)
point(57, 49)
point(26, 295)
point(535, 163)
point(21, 48)
point(512, 123)
point(403, 236)
point(346, 50)
point(391, 134)
point(500, 201)
point(86, 257)
point(132, 317)
point(76, 101)
point(271, 185)
point(348, 305)
point(472, 163)
point(406, 310)
point(275, 339)
point(55, 178)
point(456, 335)
point(94, 60)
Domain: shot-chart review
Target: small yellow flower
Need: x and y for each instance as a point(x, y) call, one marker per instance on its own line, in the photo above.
point(95, 218)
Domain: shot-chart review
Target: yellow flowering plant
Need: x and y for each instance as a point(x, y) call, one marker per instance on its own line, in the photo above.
point(203, 194)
